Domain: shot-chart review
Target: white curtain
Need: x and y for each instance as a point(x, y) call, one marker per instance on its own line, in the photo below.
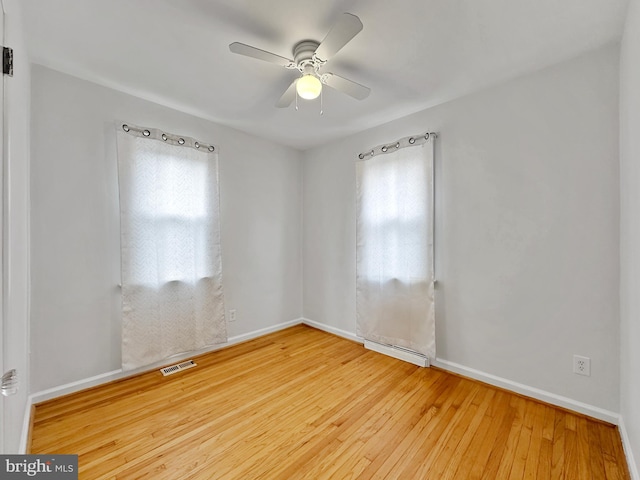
point(394, 252)
point(172, 297)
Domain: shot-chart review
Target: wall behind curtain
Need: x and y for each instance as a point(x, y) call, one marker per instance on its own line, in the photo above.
point(75, 250)
point(527, 236)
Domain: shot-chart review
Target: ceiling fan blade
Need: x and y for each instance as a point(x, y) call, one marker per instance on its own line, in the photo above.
point(353, 89)
point(288, 96)
point(249, 51)
point(347, 27)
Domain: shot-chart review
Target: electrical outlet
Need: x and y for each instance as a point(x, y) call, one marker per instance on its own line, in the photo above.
point(582, 365)
point(232, 315)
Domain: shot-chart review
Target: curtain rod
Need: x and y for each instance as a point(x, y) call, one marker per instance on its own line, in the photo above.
point(178, 140)
point(402, 143)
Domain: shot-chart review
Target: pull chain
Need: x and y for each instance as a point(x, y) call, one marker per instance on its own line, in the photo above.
point(321, 111)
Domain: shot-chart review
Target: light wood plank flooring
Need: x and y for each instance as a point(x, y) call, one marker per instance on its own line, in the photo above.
point(304, 404)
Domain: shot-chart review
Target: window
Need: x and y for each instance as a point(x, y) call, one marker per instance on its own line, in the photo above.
point(394, 218)
point(172, 213)
point(394, 247)
point(172, 297)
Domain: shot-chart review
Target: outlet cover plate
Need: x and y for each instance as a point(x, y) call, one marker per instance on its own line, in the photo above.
point(582, 365)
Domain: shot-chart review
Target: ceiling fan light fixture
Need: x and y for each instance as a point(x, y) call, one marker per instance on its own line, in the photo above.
point(309, 58)
point(308, 87)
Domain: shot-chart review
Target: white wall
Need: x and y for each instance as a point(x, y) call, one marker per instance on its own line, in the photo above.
point(17, 225)
point(630, 230)
point(75, 316)
point(527, 239)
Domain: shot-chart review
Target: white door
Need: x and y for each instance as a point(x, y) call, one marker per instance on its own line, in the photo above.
point(2, 236)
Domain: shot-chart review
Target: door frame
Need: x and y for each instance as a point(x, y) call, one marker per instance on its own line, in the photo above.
point(3, 230)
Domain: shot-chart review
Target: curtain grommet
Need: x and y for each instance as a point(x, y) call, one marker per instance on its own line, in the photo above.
point(361, 156)
point(412, 140)
point(157, 134)
point(398, 145)
point(426, 136)
point(384, 149)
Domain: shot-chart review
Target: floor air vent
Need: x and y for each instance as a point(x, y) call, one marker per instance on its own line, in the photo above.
point(178, 367)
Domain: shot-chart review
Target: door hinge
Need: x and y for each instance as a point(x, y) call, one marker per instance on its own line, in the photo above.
point(7, 61)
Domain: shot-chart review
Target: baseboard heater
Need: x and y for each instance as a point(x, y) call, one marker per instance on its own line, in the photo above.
point(398, 352)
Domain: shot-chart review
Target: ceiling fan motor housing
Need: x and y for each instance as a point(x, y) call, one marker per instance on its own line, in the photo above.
point(303, 51)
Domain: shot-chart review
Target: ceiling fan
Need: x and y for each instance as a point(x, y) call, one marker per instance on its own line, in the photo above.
point(308, 58)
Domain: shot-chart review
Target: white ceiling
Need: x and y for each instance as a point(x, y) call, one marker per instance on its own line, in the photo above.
point(412, 53)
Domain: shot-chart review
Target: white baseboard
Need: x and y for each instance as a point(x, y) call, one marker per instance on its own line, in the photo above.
point(26, 422)
point(628, 451)
point(263, 331)
point(526, 390)
point(119, 374)
point(102, 378)
point(336, 331)
point(78, 385)
point(522, 389)
point(376, 347)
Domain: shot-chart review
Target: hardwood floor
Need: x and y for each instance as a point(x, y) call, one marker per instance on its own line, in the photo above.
point(304, 404)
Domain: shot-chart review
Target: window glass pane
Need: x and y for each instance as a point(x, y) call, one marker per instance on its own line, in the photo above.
point(169, 186)
point(394, 216)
